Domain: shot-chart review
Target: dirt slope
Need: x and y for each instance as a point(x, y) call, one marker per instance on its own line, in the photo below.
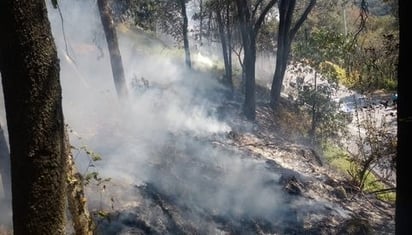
point(311, 197)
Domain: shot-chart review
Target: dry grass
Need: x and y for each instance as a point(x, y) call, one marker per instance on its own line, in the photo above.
point(289, 121)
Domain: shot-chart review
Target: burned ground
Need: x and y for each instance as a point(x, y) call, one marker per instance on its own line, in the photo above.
point(250, 180)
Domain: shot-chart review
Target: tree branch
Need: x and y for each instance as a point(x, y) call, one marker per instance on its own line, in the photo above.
point(302, 19)
point(262, 16)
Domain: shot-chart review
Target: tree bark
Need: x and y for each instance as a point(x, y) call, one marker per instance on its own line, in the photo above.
point(5, 167)
point(33, 100)
point(113, 46)
point(188, 61)
point(229, 46)
point(286, 13)
point(312, 132)
point(249, 59)
point(201, 23)
point(225, 50)
point(285, 38)
point(249, 106)
point(249, 28)
point(403, 214)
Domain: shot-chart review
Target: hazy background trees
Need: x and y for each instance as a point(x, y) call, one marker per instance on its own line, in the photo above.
point(109, 26)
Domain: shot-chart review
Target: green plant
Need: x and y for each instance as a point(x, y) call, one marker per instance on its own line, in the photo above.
point(327, 121)
point(342, 160)
point(376, 150)
point(89, 176)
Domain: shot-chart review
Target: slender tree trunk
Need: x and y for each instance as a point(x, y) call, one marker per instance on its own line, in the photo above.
point(229, 45)
point(201, 22)
point(286, 8)
point(185, 34)
point(249, 28)
point(312, 132)
point(225, 49)
point(209, 27)
point(249, 106)
point(249, 61)
point(403, 214)
point(285, 38)
point(113, 46)
point(5, 166)
point(33, 100)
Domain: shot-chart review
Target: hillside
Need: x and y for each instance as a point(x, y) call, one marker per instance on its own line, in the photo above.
point(249, 180)
point(178, 157)
point(211, 171)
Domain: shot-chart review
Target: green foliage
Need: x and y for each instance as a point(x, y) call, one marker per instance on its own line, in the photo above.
point(328, 122)
point(376, 63)
point(321, 46)
point(141, 13)
point(93, 155)
point(368, 60)
point(93, 175)
point(267, 39)
point(326, 52)
point(336, 156)
point(376, 151)
point(341, 159)
point(335, 72)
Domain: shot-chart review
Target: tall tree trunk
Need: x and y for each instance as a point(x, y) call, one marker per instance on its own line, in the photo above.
point(249, 59)
point(201, 23)
point(286, 8)
point(225, 49)
point(229, 46)
point(312, 132)
point(249, 28)
point(285, 38)
point(113, 46)
point(5, 167)
point(403, 214)
point(33, 101)
point(185, 34)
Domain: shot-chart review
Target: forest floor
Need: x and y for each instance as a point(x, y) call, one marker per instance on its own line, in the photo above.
point(260, 179)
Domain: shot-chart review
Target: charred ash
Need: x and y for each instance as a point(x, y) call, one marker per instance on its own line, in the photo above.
point(201, 187)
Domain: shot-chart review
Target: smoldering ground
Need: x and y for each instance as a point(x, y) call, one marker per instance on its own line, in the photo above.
point(158, 143)
point(160, 136)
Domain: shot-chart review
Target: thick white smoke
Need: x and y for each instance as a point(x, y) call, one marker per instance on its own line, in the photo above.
point(159, 134)
point(177, 106)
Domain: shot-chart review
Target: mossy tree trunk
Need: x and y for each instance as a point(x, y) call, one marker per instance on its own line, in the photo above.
point(33, 100)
